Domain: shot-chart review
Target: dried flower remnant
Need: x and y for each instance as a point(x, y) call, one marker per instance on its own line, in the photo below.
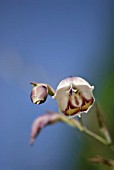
point(100, 160)
point(74, 96)
point(48, 119)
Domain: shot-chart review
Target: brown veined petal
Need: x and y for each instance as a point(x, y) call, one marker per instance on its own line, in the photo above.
point(87, 105)
point(73, 106)
point(76, 100)
point(69, 104)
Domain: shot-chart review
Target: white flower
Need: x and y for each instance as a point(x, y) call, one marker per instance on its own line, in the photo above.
point(74, 96)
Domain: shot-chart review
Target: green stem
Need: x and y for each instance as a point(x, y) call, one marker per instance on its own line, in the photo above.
point(95, 136)
point(79, 124)
point(102, 124)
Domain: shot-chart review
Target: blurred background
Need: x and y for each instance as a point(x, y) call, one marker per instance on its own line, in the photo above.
point(47, 41)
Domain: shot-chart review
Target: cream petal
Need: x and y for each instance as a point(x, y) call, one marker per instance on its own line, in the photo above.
point(62, 97)
point(80, 81)
point(85, 91)
point(73, 80)
point(65, 83)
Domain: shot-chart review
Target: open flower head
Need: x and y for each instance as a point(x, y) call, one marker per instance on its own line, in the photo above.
point(74, 96)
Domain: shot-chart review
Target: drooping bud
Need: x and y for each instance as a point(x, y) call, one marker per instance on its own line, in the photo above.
point(74, 96)
point(40, 92)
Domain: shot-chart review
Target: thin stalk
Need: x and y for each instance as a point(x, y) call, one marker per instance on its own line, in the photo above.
point(102, 124)
point(95, 136)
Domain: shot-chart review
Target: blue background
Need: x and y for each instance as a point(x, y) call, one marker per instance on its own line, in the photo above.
point(47, 41)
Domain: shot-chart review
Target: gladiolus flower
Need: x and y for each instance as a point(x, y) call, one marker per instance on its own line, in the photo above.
point(74, 96)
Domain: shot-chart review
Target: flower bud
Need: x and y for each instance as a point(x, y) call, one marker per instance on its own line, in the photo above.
point(74, 96)
point(40, 92)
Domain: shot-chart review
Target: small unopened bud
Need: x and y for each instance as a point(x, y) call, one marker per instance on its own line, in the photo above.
point(40, 92)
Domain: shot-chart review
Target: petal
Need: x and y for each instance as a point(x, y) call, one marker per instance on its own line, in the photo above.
point(76, 100)
point(80, 81)
point(68, 104)
point(85, 91)
point(73, 80)
point(62, 97)
point(65, 83)
point(87, 105)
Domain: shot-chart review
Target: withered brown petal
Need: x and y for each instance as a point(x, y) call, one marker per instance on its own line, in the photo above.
point(41, 122)
point(48, 119)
